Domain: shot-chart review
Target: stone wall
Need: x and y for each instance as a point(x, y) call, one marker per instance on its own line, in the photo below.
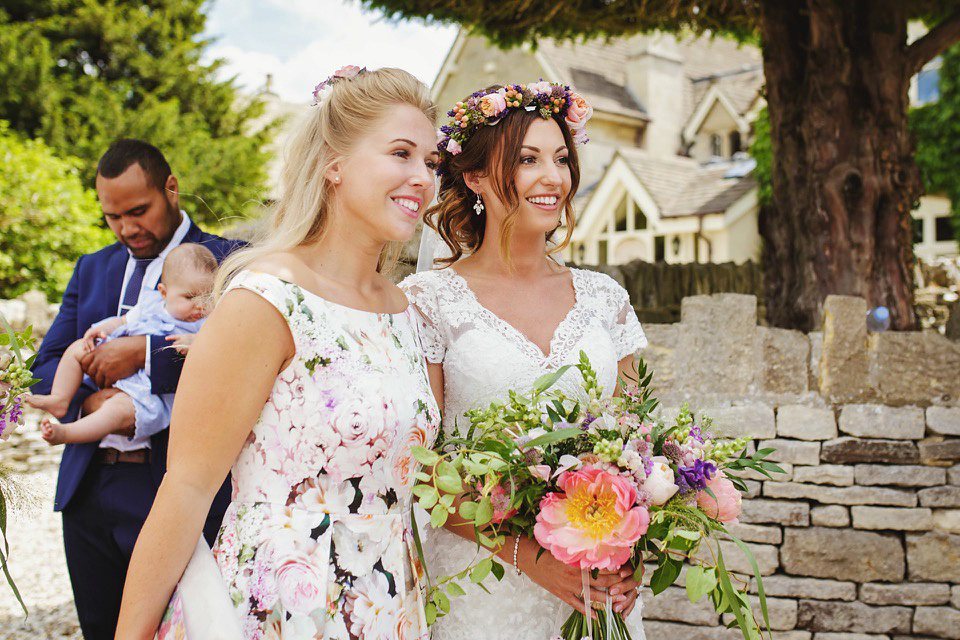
point(860, 538)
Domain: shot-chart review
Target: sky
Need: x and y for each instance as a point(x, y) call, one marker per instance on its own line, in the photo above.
point(301, 42)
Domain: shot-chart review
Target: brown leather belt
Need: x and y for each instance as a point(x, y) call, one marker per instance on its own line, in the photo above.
point(109, 455)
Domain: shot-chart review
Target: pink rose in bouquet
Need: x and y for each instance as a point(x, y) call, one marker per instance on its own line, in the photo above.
point(726, 506)
point(594, 523)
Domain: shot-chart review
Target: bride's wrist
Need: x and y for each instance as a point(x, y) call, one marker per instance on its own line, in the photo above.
point(518, 553)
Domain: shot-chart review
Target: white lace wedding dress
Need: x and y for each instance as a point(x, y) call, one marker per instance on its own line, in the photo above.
point(483, 357)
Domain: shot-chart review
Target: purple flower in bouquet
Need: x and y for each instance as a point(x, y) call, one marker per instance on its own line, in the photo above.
point(695, 476)
point(588, 419)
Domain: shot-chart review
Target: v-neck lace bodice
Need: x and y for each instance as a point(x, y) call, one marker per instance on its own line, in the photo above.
point(484, 357)
point(560, 332)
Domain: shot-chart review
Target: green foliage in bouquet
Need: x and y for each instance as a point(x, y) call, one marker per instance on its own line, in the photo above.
point(15, 379)
point(623, 487)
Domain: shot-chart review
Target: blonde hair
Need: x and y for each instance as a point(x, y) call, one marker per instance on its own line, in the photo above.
point(325, 135)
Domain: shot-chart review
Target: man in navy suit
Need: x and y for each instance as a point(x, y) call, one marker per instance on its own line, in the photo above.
point(105, 489)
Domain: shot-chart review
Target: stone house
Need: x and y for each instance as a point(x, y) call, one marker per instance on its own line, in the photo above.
point(665, 177)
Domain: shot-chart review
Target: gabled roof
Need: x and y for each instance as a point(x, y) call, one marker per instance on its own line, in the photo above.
point(597, 69)
point(682, 187)
point(736, 68)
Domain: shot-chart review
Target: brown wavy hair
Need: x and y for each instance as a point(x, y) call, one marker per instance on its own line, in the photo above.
point(492, 151)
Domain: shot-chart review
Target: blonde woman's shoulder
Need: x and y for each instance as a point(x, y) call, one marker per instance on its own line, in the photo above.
point(283, 265)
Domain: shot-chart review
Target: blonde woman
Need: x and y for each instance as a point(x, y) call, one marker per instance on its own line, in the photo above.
point(309, 384)
point(501, 313)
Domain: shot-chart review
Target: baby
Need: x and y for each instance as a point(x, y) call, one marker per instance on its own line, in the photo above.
point(176, 309)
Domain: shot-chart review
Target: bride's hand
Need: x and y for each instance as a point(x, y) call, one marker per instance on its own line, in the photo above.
point(566, 582)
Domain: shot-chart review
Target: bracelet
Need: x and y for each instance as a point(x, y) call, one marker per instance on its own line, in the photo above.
point(516, 549)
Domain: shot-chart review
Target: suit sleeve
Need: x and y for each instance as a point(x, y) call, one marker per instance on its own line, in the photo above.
point(166, 364)
point(62, 333)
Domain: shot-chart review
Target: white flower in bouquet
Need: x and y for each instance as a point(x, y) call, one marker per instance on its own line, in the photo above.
point(659, 483)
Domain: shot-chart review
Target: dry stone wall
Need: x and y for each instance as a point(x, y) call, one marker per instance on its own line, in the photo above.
point(860, 538)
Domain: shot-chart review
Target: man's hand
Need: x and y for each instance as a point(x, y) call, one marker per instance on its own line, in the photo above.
point(95, 400)
point(114, 360)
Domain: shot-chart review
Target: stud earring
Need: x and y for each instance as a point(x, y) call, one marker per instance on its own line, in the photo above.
point(478, 205)
point(336, 179)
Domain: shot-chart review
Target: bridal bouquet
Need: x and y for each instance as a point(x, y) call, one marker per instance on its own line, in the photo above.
point(15, 379)
point(600, 484)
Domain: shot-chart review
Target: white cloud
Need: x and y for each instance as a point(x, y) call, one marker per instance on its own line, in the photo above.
point(301, 42)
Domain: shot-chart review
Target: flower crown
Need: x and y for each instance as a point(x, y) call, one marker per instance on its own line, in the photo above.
point(322, 91)
point(483, 108)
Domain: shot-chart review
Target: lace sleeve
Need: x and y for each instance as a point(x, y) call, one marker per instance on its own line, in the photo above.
point(627, 334)
point(424, 301)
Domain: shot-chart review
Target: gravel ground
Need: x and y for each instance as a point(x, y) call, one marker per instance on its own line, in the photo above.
point(38, 566)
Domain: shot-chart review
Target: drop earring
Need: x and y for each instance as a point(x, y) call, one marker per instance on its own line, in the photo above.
point(478, 205)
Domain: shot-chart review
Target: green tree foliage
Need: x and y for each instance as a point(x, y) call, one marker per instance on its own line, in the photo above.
point(47, 217)
point(762, 151)
point(82, 73)
point(937, 130)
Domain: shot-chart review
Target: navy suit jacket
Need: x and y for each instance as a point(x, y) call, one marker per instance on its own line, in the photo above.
point(92, 295)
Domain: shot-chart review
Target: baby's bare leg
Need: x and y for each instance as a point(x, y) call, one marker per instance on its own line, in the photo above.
point(117, 412)
point(66, 381)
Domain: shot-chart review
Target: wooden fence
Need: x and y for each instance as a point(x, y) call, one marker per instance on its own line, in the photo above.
point(656, 288)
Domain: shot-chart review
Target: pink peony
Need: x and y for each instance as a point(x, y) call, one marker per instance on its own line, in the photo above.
point(492, 104)
point(594, 523)
point(726, 507)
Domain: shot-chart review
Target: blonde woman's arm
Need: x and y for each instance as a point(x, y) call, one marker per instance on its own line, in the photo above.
point(226, 380)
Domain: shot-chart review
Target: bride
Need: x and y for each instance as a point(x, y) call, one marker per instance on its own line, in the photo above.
point(502, 312)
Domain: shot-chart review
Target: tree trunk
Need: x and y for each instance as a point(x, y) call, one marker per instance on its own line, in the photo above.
point(844, 180)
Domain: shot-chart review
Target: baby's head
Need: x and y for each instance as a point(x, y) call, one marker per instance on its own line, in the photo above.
point(187, 280)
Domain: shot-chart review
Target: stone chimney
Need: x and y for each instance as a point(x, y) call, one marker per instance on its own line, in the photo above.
point(655, 78)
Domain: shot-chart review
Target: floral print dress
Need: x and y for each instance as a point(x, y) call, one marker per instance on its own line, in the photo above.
point(316, 542)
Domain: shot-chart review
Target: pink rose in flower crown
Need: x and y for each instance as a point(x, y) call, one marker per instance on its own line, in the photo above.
point(594, 523)
point(454, 147)
point(726, 507)
point(492, 104)
point(349, 71)
point(579, 111)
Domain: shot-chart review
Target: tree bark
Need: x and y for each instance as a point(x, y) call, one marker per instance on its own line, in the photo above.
point(844, 179)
